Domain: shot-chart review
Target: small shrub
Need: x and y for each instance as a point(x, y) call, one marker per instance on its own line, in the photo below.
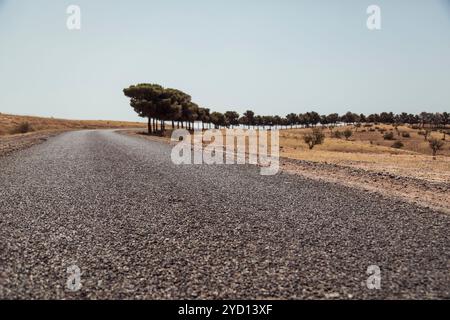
point(435, 146)
point(382, 130)
point(406, 135)
point(314, 138)
point(445, 133)
point(372, 130)
point(424, 133)
point(22, 127)
point(388, 136)
point(363, 130)
point(415, 127)
point(348, 133)
point(368, 125)
point(397, 145)
point(337, 134)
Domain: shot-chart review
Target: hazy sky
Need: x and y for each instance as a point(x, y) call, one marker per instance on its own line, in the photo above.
point(274, 57)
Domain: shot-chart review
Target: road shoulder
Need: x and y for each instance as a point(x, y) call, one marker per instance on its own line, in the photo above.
point(17, 142)
point(421, 192)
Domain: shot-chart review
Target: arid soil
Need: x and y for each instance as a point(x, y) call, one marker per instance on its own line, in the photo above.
point(422, 192)
point(10, 124)
point(11, 143)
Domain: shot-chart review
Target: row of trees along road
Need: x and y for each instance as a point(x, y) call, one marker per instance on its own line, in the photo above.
point(161, 105)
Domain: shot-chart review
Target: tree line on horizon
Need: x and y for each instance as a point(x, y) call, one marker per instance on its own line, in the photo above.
point(159, 105)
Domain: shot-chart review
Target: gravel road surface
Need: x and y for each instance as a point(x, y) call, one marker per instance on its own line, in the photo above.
point(140, 227)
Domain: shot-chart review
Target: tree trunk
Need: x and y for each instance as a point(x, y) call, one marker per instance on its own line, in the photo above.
point(162, 127)
point(149, 126)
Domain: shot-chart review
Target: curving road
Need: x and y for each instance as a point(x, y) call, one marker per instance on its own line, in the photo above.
point(140, 227)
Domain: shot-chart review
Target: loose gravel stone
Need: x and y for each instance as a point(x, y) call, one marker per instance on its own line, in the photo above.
point(140, 227)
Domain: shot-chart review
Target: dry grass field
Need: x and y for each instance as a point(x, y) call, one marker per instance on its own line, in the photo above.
point(368, 140)
point(369, 150)
point(12, 124)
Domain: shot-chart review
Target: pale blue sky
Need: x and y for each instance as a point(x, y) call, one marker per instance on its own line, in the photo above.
point(274, 57)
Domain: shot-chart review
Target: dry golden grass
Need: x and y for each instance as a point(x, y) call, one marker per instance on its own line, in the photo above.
point(365, 141)
point(369, 150)
point(10, 123)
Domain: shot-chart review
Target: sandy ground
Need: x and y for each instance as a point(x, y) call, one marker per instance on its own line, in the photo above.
point(17, 142)
point(420, 191)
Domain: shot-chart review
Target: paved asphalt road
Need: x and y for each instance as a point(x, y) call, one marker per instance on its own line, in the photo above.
point(140, 227)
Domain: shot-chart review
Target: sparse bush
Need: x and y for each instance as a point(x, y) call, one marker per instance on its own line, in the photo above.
point(382, 130)
point(337, 134)
point(388, 136)
point(348, 133)
point(372, 130)
point(445, 133)
point(415, 127)
point(406, 135)
point(314, 138)
point(426, 133)
point(368, 125)
point(435, 146)
point(397, 145)
point(22, 127)
point(363, 130)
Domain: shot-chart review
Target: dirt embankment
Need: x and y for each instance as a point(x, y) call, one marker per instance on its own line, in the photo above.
point(14, 124)
point(422, 192)
point(12, 143)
